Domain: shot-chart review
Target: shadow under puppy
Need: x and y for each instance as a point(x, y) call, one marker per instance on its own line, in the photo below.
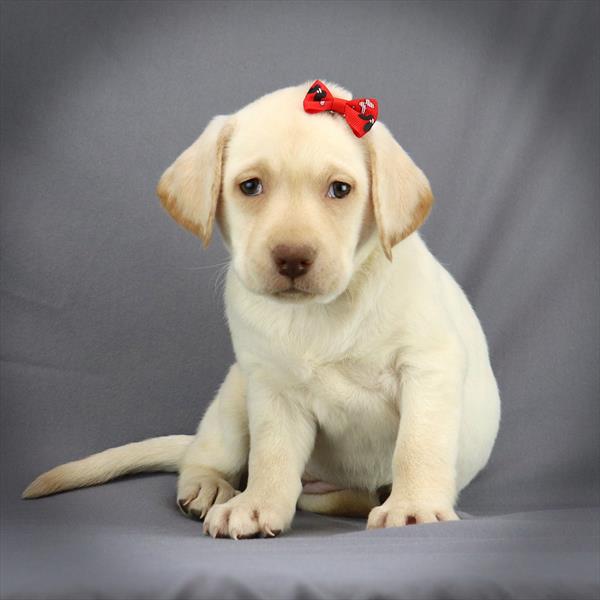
point(360, 363)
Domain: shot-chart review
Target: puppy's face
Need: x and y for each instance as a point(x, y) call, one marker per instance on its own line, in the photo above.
point(295, 201)
point(298, 197)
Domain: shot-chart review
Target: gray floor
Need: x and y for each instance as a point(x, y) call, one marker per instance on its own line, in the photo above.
point(126, 540)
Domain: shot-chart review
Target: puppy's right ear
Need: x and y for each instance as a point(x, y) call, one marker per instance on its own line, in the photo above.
point(190, 188)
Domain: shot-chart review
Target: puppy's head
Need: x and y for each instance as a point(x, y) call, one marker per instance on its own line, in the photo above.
point(300, 200)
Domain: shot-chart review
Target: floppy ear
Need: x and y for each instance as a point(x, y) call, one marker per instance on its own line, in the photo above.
point(400, 191)
point(190, 188)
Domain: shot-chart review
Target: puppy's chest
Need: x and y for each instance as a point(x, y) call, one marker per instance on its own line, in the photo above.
point(352, 395)
point(341, 378)
point(342, 394)
point(354, 381)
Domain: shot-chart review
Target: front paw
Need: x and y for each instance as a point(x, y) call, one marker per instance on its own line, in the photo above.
point(395, 512)
point(246, 516)
point(197, 494)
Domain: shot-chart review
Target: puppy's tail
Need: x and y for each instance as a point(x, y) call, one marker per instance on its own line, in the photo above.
point(156, 454)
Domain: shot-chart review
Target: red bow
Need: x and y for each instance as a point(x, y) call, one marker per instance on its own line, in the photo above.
point(360, 114)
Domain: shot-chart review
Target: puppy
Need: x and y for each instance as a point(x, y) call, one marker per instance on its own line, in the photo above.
point(362, 383)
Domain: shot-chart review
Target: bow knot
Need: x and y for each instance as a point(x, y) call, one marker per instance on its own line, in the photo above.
point(360, 114)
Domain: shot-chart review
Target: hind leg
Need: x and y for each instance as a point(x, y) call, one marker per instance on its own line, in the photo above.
point(340, 503)
point(213, 462)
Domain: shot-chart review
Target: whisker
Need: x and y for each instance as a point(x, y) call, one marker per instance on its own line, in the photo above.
point(220, 277)
point(204, 267)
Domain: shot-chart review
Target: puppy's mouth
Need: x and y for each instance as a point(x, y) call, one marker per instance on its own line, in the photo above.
point(293, 294)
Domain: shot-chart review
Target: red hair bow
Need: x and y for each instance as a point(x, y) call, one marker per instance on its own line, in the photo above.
point(360, 114)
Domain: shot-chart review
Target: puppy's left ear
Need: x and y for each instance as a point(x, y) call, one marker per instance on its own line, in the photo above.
point(190, 188)
point(400, 192)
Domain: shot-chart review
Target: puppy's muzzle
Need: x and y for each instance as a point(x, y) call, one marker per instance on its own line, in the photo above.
point(293, 261)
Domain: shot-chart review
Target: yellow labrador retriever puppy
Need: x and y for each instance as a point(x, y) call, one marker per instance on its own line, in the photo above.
point(360, 363)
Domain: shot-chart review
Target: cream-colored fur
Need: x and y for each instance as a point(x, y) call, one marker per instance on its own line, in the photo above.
point(373, 370)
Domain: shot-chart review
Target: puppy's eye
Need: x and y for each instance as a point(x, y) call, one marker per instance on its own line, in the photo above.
point(339, 189)
point(251, 187)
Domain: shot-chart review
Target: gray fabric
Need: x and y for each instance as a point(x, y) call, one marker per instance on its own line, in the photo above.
point(112, 325)
point(127, 540)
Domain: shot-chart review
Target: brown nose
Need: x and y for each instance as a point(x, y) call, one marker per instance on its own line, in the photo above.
point(293, 261)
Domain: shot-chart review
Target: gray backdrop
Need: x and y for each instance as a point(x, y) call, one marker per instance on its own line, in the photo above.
point(112, 322)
